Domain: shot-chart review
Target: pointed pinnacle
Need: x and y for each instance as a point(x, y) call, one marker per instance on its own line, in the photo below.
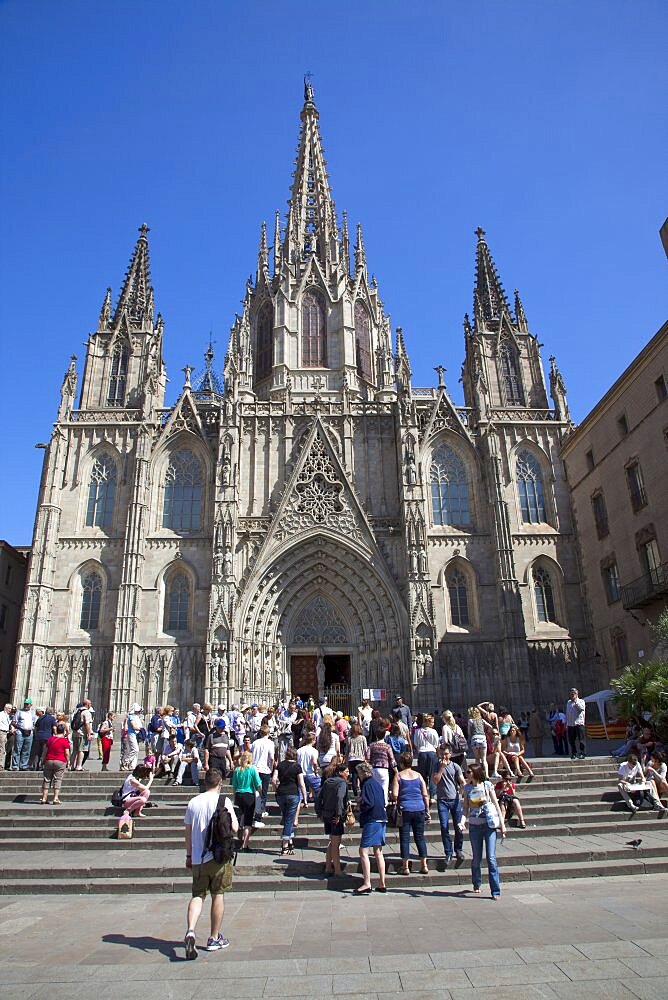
point(137, 294)
point(360, 252)
point(105, 312)
point(263, 253)
point(277, 242)
point(491, 298)
point(520, 315)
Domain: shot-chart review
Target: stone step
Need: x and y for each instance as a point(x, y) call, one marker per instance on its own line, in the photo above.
point(299, 881)
point(255, 865)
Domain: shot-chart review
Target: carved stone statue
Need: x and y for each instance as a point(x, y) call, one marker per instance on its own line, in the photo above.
point(218, 565)
point(414, 562)
point(320, 672)
point(411, 474)
point(227, 564)
point(225, 471)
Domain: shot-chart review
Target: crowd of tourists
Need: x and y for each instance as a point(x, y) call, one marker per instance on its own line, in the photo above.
point(368, 769)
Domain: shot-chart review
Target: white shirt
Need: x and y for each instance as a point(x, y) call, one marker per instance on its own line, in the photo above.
point(365, 712)
point(199, 811)
point(575, 712)
point(629, 773)
point(425, 740)
point(5, 721)
point(24, 720)
point(321, 714)
point(307, 758)
point(254, 722)
point(263, 753)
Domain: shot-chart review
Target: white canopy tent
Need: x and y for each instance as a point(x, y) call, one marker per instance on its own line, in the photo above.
point(601, 697)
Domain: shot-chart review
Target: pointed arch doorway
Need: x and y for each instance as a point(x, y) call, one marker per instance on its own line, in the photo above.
point(324, 669)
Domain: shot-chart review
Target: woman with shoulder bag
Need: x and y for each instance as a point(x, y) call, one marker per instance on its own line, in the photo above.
point(481, 810)
point(409, 791)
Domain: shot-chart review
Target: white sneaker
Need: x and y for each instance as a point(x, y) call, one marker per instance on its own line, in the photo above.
point(217, 944)
point(191, 946)
point(264, 815)
point(257, 823)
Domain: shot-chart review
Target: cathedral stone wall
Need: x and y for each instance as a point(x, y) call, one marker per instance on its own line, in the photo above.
point(309, 520)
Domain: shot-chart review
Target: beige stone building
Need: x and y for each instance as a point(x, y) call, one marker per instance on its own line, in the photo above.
point(311, 521)
point(13, 567)
point(617, 465)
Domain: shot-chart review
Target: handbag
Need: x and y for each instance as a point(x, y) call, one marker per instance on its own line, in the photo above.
point(394, 815)
point(350, 816)
point(491, 815)
point(459, 744)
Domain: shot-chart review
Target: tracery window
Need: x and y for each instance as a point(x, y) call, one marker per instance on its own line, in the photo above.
point(363, 341)
point(449, 489)
point(118, 376)
point(512, 382)
point(264, 342)
point(459, 598)
point(91, 598)
point(544, 594)
point(101, 492)
point(314, 336)
point(530, 487)
point(183, 492)
point(177, 604)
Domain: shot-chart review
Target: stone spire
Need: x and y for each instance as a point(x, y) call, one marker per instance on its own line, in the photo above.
point(104, 322)
point(489, 298)
point(345, 243)
point(558, 391)
point(136, 298)
point(263, 252)
point(312, 224)
point(277, 243)
point(520, 315)
point(360, 252)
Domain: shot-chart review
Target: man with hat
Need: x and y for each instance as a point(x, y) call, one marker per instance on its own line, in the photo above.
point(217, 749)
point(24, 723)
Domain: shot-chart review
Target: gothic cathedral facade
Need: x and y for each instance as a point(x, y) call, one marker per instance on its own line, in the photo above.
point(312, 521)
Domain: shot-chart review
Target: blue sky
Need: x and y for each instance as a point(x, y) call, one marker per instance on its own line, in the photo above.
point(543, 122)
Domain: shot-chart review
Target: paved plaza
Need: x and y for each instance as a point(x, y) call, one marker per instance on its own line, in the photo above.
point(586, 937)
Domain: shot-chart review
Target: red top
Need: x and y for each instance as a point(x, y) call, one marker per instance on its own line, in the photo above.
point(56, 747)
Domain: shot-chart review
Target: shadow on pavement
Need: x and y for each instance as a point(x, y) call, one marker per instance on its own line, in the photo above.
point(148, 944)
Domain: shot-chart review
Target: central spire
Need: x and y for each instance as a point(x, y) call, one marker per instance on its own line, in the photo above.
point(312, 227)
point(489, 297)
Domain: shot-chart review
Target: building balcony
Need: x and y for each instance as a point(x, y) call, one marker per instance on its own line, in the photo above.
point(646, 589)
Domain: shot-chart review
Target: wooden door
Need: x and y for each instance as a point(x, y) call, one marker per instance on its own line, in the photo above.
point(303, 676)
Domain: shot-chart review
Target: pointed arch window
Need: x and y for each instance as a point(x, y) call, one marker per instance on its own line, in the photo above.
point(449, 489)
point(459, 598)
point(183, 492)
point(530, 487)
point(264, 342)
point(510, 375)
point(118, 376)
point(363, 341)
point(177, 604)
point(314, 336)
point(91, 599)
point(544, 595)
point(101, 492)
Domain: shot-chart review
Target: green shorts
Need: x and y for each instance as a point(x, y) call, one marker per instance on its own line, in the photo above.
point(212, 877)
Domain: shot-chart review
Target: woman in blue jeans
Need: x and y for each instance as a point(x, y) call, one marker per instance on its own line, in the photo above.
point(409, 791)
point(477, 796)
point(290, 791)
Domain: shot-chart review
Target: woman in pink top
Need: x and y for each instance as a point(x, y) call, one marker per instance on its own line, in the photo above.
point(56, 762)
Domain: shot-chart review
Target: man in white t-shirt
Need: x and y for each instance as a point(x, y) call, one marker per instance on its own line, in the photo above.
point(322, 712)
point(24, 724)
point(263, 759)
point(208, 874)
point(632, 780)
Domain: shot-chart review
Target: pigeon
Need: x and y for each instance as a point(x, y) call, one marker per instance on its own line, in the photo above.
point(635, 844)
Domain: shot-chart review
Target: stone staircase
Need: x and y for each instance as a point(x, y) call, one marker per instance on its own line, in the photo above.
point(577, 826)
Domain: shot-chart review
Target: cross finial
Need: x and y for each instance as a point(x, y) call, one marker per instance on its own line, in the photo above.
point(440, 371)
point(308, 88)
point(187, 371)
point(480, 233)
point(144, 230)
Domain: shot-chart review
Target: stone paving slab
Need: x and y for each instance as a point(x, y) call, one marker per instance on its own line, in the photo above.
point(542, 940)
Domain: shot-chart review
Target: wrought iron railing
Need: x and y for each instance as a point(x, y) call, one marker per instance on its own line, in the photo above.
point(646, 588)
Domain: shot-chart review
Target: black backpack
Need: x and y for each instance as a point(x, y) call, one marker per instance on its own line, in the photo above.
point(218, 836)
point(77, 720)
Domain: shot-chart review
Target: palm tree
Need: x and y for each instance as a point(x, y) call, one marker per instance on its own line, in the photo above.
point(642, 687)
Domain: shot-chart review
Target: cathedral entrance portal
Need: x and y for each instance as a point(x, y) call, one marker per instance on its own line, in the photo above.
point(307, 678)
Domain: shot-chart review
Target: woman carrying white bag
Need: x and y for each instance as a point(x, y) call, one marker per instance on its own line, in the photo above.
point(481, 810)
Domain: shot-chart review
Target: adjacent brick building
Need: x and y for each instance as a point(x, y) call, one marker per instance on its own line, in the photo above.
point(13, 568)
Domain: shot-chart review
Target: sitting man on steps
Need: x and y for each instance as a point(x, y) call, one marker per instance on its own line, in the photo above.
point(632, 781)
